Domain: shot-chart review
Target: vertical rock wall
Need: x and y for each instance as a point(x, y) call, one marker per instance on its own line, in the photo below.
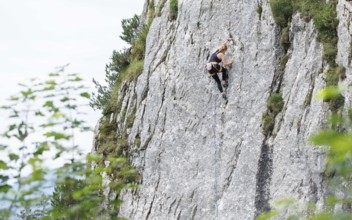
point(201, 158)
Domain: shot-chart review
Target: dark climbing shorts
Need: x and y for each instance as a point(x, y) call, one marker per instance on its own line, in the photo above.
point(216, 68)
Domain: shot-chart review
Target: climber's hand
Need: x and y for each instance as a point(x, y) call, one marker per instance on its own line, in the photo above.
point(229, 64)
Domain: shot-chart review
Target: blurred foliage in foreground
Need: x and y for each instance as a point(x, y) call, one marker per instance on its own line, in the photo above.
point(337, 138)
point(38, 149)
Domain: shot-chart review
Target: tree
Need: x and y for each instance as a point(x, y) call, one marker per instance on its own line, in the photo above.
point(119, 62)
point(130, 29)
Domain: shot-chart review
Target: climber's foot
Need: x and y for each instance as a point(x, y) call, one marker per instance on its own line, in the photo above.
point(224, 96)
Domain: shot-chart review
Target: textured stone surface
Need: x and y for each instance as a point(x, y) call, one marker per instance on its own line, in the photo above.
point(203, 159)
point(344, 45)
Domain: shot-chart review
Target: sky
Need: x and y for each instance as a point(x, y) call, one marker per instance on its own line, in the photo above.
point(39, 35)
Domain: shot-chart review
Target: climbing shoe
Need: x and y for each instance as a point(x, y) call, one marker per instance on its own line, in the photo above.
point(224, 96)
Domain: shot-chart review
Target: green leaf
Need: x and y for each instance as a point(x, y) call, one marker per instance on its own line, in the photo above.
point(71, 106)
point(95, 180)
point(27, 93)
point(76, 79)
point(33, 97)
point(34, 161)
point(50, 124)
point(39, 113)
point(329, 92)
point(38, 175)
point(49, 96)
point(14, 98)
point(57, 155)
point(14, 114)
point(54, 74)
point(339, 143)
point(12, 127)
point(48, 88)
point(5, 107)
point(76, 123)
point(93, 157)
point(99, 169)
point(14, 157)
point(267, 215)
point(332, 200)
point(58, 115)
point(51, 82)
point(5, 188)
point(40, 150)
point(85, 129)
point(3, 146)
point(85, 95)
point(324, 138)
point(49, 104)
point(65, 99)
point(323, 216)
point(133, 186)
point(3, 165)
point(4, 178)
point(117, 203)
point(57, 135)
point(336, 119)
point(77, 194)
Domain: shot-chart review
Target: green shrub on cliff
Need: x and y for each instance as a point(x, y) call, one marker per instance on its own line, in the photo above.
point(275, 103)
point(160, 7)
point(325, 19)
point(125, 65)
point(282, 11)
point(130, 29)
point(173, 9)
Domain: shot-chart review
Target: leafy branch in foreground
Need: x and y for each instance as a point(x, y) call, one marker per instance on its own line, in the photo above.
point(42, 121)
point(39, 149)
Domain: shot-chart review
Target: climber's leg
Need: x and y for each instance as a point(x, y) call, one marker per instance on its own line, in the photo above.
point(217, 80)
point(225, 77)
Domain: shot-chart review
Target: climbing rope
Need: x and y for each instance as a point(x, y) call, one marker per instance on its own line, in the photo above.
point(216, 152)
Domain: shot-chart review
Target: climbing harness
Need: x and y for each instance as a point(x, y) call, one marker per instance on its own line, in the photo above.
point(213, 65)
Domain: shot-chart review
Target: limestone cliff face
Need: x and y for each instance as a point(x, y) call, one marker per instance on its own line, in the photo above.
point(201, 158)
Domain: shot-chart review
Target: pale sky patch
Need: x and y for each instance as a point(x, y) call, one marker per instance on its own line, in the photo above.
point(39, 35)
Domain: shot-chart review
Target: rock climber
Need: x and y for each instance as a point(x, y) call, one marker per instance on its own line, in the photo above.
point(214, 67)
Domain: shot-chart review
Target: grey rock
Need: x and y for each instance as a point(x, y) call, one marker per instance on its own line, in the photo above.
point(203, 159)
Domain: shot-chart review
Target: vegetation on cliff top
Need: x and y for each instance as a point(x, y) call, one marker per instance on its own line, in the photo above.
point(325, 20)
